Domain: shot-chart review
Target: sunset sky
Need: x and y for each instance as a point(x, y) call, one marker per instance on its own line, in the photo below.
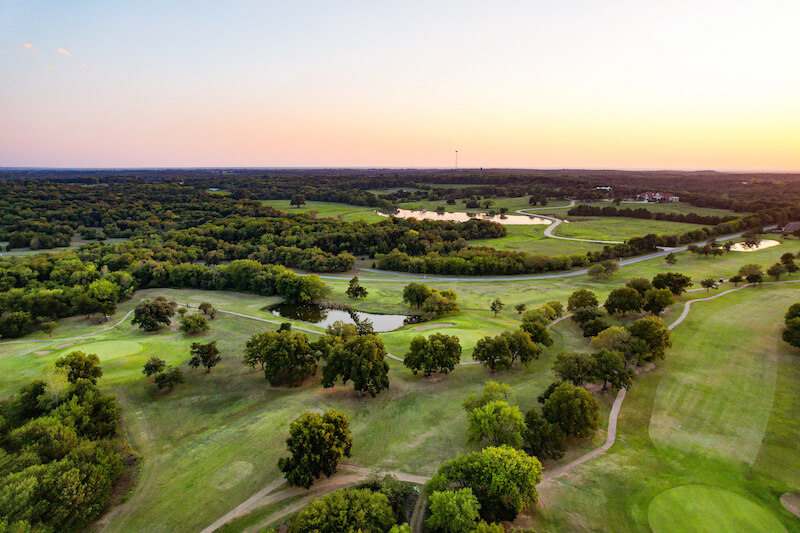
point(579, 84)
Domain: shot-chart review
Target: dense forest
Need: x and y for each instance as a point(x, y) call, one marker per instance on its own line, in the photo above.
point(178, 234)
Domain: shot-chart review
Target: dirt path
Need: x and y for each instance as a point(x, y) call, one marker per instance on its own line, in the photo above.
point(350, 475)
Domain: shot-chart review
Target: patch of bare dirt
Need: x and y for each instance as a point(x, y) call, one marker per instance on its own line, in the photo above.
point(42, 352)
point(791, 502)
point(68, 344)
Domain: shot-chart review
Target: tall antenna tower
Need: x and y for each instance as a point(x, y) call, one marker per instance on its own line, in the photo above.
point(456, 159)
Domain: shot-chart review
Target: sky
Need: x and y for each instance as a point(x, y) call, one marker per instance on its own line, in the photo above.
point(701, 84)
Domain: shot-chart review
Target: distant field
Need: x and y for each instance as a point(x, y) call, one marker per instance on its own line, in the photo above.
point(667, 207)
point(346, 212)
point(531, 239)
point(618, 228)
point(512, 204)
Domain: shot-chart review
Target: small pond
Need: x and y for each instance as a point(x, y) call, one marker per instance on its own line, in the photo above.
point(464, 217)
point(323, 317)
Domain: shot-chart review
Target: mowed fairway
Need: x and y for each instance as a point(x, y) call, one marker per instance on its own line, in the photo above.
point(346, 212)
point(719, 392)
point(630, 487)
point(618, 228)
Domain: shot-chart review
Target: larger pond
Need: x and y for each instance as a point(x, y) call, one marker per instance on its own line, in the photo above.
point(464, 217)
point(323, 316)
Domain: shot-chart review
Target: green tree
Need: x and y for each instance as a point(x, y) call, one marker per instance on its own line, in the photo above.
point(346, 510)
point(79, 365)
point(776, 271)
point(361, 359)
point(496, 423)
point(286, 358)
point(623, 301)
point(169, 378)
point(502, 351)
point(151, 315)
point(671, 258)
point(542, 439)
point(582, 298)
point(415, 294)
point(539, 333)
point(575, 367)
point(751, 271)
point(439, 303)
point(610, 367)
point(791, 332)
point(573, 409)
point(792, 312)
point(492, 391)
point(598, 272)
point(452, 511)
point(642, 285)
point(651, 330)
point(619, 339)
point(595, 326)
point(437, 353)
point(355, 290)
point(194, 324)
point(582, 315)
point(106, 293)
point(676, 282)
point(657, 300)
point(708, 284)
point(485, 527)
point(153, 366)
point(501, 478)
point(496, 306)
point(48, 328)
point(207, 309)
point(520, 308)
point(298, 200)
point(736, 280)
point(206, 355)
point(316, 444)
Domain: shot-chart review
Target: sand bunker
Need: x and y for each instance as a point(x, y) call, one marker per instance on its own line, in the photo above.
point(431, 326)
point(742, 247)
point(512, 220)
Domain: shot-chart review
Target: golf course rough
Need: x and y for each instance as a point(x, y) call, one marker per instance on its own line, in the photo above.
point(707, 509)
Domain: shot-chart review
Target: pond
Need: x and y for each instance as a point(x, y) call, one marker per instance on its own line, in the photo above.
point(323, 317)
point(464, 217)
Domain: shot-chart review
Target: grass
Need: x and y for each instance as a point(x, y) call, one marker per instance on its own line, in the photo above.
point(668, 207)
point(618, 228)
point(531, 239)
point(347, 212)
point(627, 489)
point(708, 509)
point(199, 442)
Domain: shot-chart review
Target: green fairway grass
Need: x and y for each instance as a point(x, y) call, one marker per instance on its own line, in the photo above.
point(618, 228)
point(704, 509)
point(346, 212)
point(215, 440)
point(614, 491)
point(531, 239)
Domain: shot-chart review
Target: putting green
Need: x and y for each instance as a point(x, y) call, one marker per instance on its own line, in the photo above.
point(107, 350)
point(706, 509)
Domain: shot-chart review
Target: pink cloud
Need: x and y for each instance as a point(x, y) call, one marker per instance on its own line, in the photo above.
point(62, 51)
point(29, 46)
